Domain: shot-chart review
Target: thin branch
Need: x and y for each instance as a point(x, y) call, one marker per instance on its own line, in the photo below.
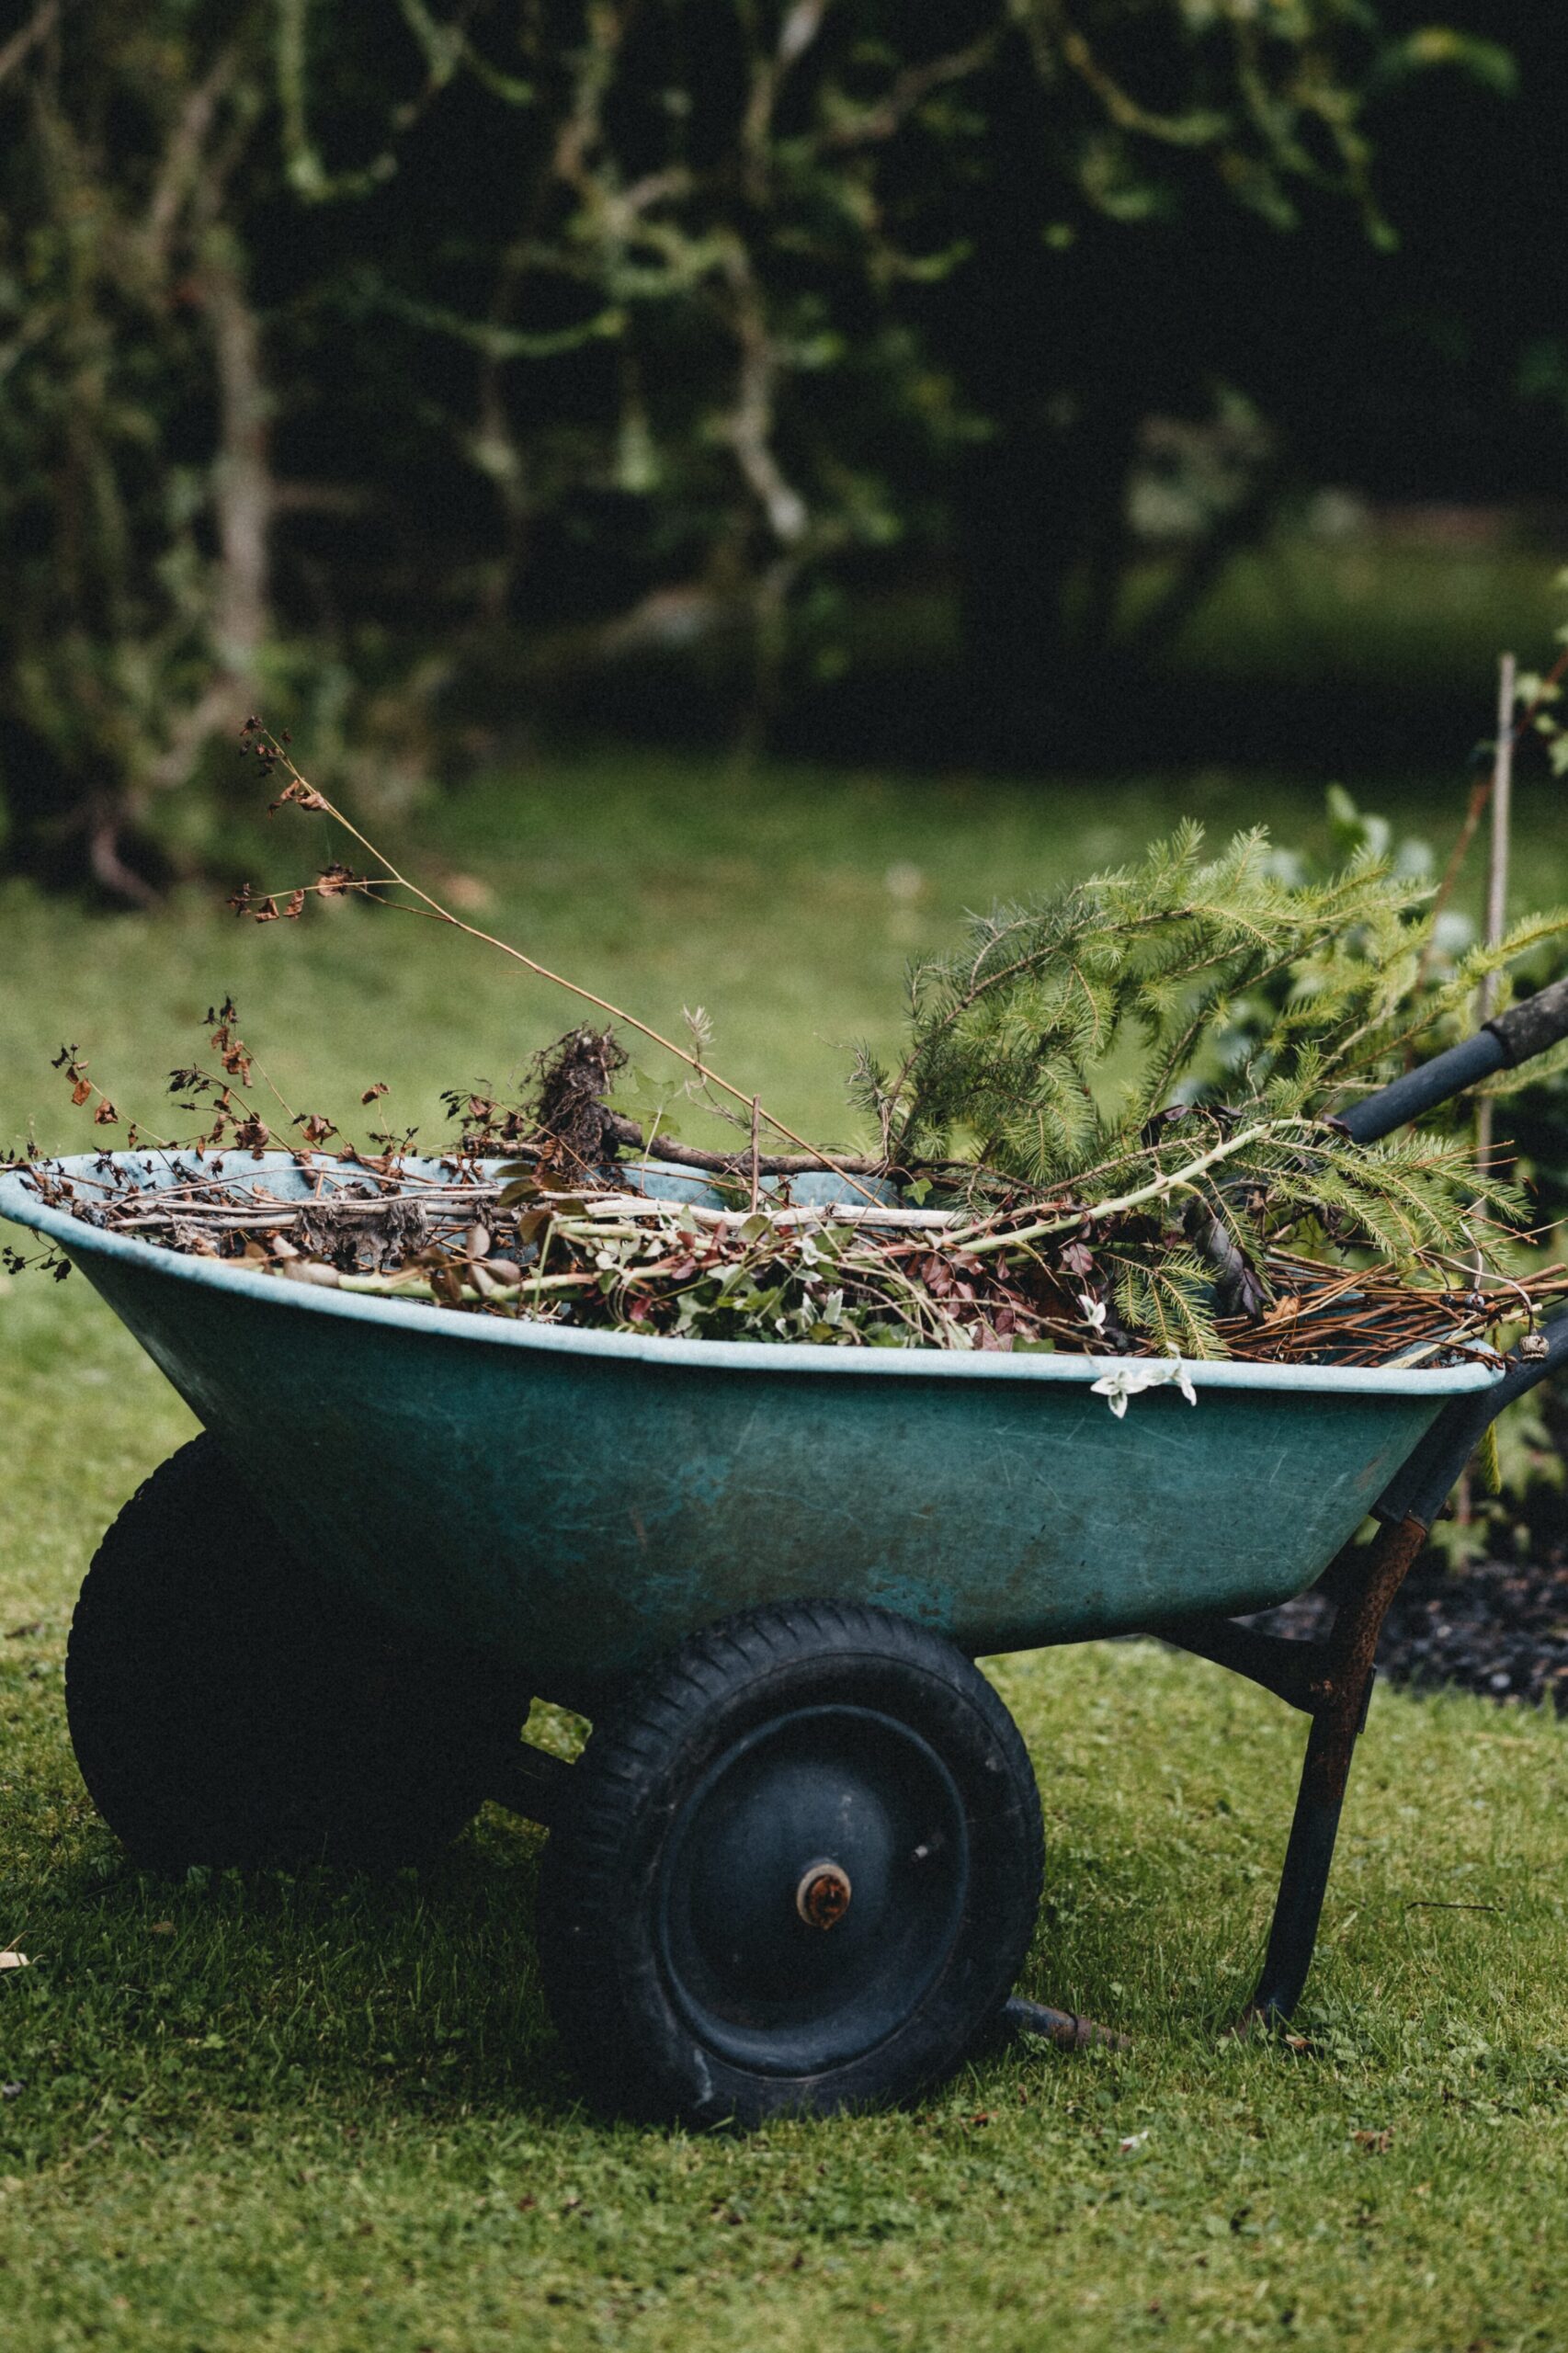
point(311, 797)
point(1183, 1179)
point(1480, 795)
point(183, 155)
point(22, 44)
point(910, 90)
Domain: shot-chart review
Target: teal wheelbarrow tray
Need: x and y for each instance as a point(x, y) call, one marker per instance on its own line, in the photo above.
point(797, 1865)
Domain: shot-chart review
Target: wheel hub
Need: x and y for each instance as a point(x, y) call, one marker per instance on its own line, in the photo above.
point(823, 1897)
point(813, 1884)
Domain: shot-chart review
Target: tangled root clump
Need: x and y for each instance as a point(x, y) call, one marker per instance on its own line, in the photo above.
point(574, 1127)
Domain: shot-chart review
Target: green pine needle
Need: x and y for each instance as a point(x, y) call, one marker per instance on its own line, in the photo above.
point(1083, 1048)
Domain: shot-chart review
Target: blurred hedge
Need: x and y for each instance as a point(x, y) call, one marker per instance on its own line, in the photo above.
point(327, 334)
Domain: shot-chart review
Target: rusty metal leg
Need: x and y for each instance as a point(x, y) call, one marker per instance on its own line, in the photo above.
point(1337, 1718)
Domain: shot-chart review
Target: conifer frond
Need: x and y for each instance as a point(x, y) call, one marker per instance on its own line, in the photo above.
point(1185, 1014)
point(1168, 1301)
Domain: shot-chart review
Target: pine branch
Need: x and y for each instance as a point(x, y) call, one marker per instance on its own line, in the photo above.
point(1071, 1052)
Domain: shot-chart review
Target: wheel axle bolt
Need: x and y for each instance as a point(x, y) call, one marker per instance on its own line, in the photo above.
point(823, 1897)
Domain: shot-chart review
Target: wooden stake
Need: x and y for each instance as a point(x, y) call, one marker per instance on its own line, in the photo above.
point(755, 1152)
point(1497, 918)
point(1497, 870)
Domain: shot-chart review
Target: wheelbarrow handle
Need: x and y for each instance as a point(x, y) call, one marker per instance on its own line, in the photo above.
point(1337, 1674)
point(1421, 1485)
point(1518, 1036)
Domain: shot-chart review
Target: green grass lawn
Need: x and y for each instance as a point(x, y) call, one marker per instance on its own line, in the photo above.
point(329, 2114)
point(1410, 617)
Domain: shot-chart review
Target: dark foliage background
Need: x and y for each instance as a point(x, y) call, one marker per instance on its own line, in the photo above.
point(433, 365)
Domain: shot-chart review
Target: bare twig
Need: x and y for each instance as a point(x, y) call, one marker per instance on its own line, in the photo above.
point(308, 796)
point(22, 43)
point(1159, 1189)
point(1440, 1904)
point(1479, 796)
point(733, 1164)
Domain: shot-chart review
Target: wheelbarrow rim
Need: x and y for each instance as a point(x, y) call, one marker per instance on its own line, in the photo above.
point(19, 1201)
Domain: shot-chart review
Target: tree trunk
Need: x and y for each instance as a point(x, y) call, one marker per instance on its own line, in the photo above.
point(243, 502)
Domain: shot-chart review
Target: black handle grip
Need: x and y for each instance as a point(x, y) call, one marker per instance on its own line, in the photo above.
point(1527, 1028)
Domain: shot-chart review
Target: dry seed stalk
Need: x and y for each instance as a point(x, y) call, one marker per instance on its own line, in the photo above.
point(306, 796)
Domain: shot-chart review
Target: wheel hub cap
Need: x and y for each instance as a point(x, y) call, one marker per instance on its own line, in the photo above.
point(823, 1897)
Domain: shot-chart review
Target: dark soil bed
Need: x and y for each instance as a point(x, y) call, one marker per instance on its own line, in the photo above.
point(1499, 1629)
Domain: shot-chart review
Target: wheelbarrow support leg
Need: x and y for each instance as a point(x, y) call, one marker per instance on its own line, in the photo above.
point(1337, 1718)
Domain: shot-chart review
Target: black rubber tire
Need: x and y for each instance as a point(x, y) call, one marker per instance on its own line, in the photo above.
point(683, 1983)
point(226, 1708)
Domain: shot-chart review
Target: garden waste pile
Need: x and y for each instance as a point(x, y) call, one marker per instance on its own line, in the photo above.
point(1116, 1130)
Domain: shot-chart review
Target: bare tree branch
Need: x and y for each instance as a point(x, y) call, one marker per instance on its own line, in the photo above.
point(910, 89)
point(749, 427)
point(22, 44)
point(183, 157)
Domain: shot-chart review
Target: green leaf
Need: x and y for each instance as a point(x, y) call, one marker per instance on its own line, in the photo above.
point(1434, 46)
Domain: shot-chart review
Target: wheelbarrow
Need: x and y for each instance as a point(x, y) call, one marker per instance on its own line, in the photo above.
point(797, 1863)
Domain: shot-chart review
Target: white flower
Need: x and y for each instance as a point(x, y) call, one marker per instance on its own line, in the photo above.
point(1134, 1374)
point(1125, 1381)
point(1093, 1310)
